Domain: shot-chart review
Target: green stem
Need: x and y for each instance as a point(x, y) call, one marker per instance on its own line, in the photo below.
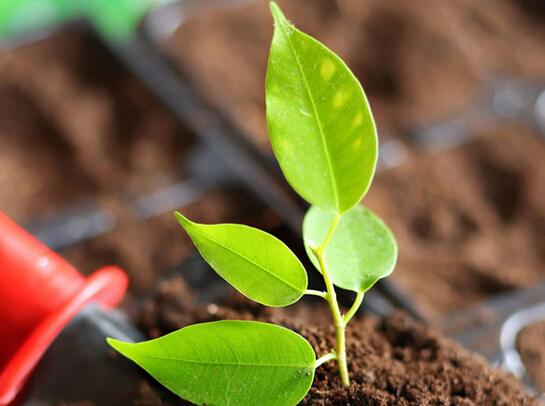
point(321, 248)
point(355, 306)
point(322, 360)
point(334, 306)
point(316, 293)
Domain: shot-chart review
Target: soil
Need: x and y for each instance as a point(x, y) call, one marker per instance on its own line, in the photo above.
point(531, 346)
point(469, 221)
point(74, 124)
point(393, 361)
point(418, 62)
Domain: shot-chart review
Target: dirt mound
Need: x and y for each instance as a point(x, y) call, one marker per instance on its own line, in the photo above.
point(395, 361)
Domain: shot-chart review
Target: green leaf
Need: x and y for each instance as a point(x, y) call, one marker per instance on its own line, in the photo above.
point(228, 363)
point(361, 251)
point(256, 263)
point(320, 124)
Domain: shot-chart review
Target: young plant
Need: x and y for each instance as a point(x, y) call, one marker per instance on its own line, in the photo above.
point(324, 138)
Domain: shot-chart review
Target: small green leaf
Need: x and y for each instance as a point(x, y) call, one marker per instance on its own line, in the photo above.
point(256, 263)
point(228, 363)
point(320, 123)
point(361, 251)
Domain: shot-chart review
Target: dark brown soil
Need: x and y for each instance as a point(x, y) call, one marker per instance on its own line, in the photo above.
point(469, 221)
point(535, 9)
point(394, 361)
point(531, 346)
point(74, 123)
point(418, 62)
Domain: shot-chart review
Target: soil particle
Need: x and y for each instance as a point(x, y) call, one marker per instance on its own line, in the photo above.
point(531, 346)
point(394, 361)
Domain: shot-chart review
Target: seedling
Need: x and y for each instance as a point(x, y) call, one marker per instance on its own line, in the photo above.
point(323, 135)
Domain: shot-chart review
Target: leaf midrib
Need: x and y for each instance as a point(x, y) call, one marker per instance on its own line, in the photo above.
point(249, 364)
point(247, 259)
point(316, 117)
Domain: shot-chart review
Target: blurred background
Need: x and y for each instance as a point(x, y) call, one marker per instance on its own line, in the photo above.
point(100, 139)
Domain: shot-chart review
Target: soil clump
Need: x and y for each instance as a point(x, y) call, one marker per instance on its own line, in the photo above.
point(531, 346)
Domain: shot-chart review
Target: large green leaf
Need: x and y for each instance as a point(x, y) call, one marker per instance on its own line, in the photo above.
point(320, 123)
point(228, 363)
point(256, 263)
point(361, 251)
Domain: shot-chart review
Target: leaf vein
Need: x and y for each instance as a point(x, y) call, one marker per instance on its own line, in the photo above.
point(248, 364)
point(249, 260)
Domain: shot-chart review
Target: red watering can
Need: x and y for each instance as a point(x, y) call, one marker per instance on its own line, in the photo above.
point(39, 294)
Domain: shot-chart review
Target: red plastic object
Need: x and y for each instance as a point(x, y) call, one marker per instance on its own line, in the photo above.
point(39, 294)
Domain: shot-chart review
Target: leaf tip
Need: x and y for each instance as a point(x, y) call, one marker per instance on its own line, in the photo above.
point(277, 13)
point(115, 344)
point(181, 219)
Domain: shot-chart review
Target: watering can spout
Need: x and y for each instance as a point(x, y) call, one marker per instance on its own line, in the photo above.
point(40, 293)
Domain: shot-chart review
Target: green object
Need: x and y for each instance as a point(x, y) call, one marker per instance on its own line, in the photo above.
point(361, 251)
point(319, 121)
point(228, 363)
point(258, 264)
point(324, 137)
point(117, 20)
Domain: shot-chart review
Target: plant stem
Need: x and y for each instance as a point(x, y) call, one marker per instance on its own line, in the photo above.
point(316, 293)
point(355, 306)
point(321, 248)
point(331, 298)
point(323, 359)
